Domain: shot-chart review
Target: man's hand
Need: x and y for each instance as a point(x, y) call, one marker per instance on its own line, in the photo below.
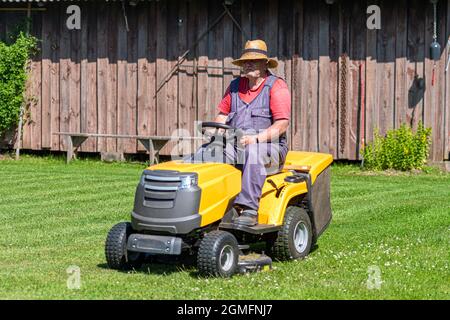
point(221, 118)
point(245, 140)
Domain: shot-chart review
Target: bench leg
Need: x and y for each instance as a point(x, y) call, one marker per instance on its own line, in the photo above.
point(153, 147)
point(148, 145)
point(157, 146)
point(69, 149)
point(73, 143)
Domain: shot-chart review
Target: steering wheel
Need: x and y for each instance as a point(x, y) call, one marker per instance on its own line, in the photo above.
point(215, 125)
point(227, 133)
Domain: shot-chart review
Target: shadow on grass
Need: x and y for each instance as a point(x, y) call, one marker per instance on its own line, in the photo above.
point(313, 248)
point(164, 265)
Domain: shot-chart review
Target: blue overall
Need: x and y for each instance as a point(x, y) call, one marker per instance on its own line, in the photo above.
point(258, 160)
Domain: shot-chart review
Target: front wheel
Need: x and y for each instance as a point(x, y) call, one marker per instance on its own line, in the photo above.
point(117, 255)
point(294, 240)
point(218, 254)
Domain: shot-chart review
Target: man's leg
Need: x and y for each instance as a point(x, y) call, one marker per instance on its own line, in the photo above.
point(260, 160)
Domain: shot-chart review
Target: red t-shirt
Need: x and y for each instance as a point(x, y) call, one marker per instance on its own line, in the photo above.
point(280, 98)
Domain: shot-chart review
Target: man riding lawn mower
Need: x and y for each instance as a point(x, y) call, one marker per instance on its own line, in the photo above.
point(242, 187)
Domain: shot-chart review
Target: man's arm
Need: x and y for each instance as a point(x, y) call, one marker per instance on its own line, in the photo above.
point(273, 132)
point(278, 128)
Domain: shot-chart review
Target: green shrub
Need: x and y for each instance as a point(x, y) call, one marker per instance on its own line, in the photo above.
point(13, 75)
point(400, 149)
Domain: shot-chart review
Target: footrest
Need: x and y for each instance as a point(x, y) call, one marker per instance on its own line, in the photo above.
point(258, 229)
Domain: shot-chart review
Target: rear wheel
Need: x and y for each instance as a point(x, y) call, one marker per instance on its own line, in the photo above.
point(294, 240)
point(117, 255)
point(218, 254)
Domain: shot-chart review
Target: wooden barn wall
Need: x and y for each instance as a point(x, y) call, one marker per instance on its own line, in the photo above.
point(345, 80)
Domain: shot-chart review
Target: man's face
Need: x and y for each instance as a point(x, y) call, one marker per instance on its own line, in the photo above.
point(254, 68)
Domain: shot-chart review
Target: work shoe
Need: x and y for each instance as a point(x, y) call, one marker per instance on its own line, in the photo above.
point(248, 217)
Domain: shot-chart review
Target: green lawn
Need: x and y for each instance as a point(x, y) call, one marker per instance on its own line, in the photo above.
point(54, 215)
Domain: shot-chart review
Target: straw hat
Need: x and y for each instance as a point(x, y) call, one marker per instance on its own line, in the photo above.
point(255, 50)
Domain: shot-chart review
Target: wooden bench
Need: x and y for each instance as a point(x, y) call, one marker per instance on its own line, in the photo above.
point(153, 144)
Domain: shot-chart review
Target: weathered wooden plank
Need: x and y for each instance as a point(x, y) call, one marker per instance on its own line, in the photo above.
point(74, 81)
point(168, 115)
point(122, 83)
point(258, 21)
point(36, 86)
point(202, 54)
point(246, 23)
point(91, 92)
point(297, 71)
point(401, 91)
point(264, 22)
point(285, 47)
point(386, 67)
point(88, 104)
point(187, 111)
point(55, 77)
point(228, 36)
point(127, 80)
point(324, 78)
point(215, 54)
point(147, 71)
point(186, 107)
point(65, 74)
point(447, 91)
point(143, 73)
point(433, 103)
point(439, 114)
point(194, 16)
point(271, 24)
point(332, 143)
point(46, 74)
point(131, 106)
point(114, 13)
point(310, 89)
point(357, 54)
point(371, 87)
point(238, 37)
point(84, 73)
point(430, 99)
point(102, 76)
point(162, 68)
point(415, 62)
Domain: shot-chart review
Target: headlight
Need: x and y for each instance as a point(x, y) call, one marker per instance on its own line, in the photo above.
point(188, 181)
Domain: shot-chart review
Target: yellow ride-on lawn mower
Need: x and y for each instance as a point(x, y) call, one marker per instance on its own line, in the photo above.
point(186, 207)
